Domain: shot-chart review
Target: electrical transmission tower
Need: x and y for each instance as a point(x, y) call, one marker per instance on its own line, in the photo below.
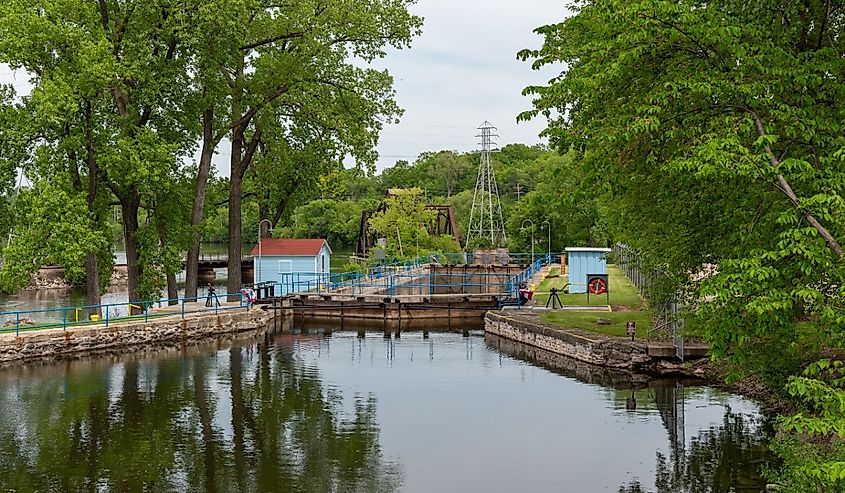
point(485, 220)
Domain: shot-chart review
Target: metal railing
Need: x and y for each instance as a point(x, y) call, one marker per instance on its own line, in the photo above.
point(305, 282)
point(218, 257)
point(406, 278)
point(484, 258)
point(391, 278)
point(111, 313)
point(526, 275)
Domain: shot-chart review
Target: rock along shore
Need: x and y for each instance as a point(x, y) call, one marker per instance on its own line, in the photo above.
point(56, 343)
point(589, 347)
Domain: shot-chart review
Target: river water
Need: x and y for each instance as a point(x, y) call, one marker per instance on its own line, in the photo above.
point(314, 412)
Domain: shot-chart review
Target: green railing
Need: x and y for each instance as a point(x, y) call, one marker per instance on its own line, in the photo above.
point(111, 313)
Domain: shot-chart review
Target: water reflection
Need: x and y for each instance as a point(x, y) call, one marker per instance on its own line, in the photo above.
point(242, 419)
point(324, 409)
point(710, 463)
point(720, 459)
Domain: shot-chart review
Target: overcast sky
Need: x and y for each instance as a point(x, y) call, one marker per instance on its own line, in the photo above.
point(462, 71)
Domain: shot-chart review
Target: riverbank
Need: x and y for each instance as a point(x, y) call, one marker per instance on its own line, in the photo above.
point(594, 348)
point(59, 343)
point(53, 277)
point(636, 360)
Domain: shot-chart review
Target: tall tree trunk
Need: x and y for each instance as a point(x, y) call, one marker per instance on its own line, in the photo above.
point(242, 155)
point(92, 267)
point(209, 143)
point(172, 291)
point(235, 224)
point(92, 282)
point(129, 208)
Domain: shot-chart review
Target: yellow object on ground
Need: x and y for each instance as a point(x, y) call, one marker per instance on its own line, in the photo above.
point(95, 317)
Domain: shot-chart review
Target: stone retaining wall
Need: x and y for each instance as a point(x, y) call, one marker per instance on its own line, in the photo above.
point(570, 367)
point(583, 346)
point(57, 342)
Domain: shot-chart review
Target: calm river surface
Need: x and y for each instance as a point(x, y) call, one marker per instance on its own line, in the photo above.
point(312, 412)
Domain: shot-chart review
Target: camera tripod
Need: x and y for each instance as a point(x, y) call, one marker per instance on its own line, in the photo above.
point(554, 299)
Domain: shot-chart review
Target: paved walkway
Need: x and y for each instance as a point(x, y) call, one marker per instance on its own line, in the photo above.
point(194, 307)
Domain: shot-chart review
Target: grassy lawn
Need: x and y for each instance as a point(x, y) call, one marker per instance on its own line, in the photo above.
point(625, 301)
point(589, 321)
point(622, 292)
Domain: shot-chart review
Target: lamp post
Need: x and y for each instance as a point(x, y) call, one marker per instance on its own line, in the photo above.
point(549, 245)
point(532, 236)
point(257, 275)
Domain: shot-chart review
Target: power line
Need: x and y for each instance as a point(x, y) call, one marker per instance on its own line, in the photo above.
point(431, 126)
point(426, 143)
point(414, 134)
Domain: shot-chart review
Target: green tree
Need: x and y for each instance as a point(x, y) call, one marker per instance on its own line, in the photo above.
point(810, 441)
point(717, 128)
point(336, 221)
point(299, 66)
point(53, 229)
point(404, 222)
point(564, 195)
point(106, 96)
point(723, 115)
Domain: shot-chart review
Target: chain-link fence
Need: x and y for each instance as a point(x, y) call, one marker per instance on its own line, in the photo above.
point(651, 284)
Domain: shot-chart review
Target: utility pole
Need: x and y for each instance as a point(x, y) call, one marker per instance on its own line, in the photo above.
point(518, 191)
point(486, 219)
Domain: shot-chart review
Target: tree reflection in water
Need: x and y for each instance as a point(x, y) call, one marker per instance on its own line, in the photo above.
point(721, 459)
point(247, 419)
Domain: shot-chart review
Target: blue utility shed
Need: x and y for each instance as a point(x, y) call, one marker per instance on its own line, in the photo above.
point(293, 264)
point(583, 261)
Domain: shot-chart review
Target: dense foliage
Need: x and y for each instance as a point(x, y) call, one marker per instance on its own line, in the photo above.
point(535, 184)
point(718, 129)
point(125, 94)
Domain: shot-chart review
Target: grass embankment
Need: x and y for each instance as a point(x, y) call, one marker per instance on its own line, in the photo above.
point(623, 293)
point(625, 302)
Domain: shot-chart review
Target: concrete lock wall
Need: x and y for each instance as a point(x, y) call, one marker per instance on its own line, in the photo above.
point(598, 351)
point(379, 307)
point(470, 279)
point(57, 342)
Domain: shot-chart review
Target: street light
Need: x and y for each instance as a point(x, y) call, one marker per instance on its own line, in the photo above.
point(257, 276)
point(543, 226)
point(532, 236)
